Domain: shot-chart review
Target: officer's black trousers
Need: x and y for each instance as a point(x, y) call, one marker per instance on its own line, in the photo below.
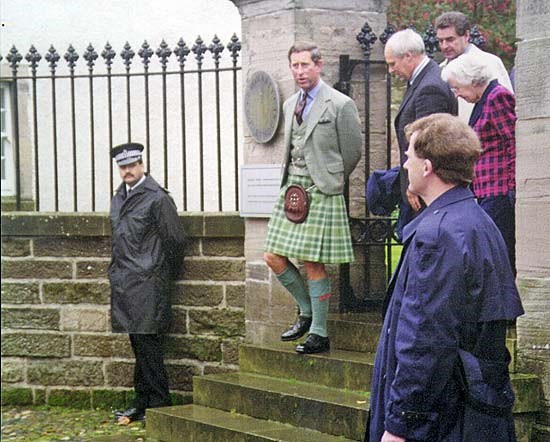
point(150, 378)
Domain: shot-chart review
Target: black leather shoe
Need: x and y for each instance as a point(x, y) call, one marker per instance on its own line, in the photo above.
point(132, 415)
point(297, 330)
point(314, 344)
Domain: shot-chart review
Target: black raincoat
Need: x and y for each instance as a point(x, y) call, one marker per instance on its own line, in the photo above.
point(147, 252)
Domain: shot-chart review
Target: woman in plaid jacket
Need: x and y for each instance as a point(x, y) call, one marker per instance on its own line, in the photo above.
point(493, 119)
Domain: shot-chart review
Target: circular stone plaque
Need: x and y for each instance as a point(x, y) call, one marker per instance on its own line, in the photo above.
point(262, 106)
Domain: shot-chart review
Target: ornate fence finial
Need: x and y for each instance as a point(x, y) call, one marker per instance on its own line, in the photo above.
point(14, 58)
point(71, 57)
point(476, 38)
point(127, 54)
point(234, 46)
point(181, 51)
point(145, 53)
point(366, 39)
point(216, 48)
point(199, 48)
point(388, 32)
point(430, 41)
point(108, 54)
point(163, 52)
point(90, 56)
point(33, 57)
point(52, 57)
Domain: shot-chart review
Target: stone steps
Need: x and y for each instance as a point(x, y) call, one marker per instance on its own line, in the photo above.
point(194, 423)
point(355, 331)
point(328, 410)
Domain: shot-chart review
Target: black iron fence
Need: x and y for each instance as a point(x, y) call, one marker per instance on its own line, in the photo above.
point(186, 116)
point(376, 235)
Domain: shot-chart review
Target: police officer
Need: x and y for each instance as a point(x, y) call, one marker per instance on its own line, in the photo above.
point(147, 251)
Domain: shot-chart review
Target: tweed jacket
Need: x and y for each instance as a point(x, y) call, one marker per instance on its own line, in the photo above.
point(428, 94)
point(495, 170)
point(333, 139)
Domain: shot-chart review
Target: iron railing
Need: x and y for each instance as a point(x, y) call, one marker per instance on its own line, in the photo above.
point(187, 118)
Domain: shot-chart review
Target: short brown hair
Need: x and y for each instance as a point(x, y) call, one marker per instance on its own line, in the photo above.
point(449, 143)
point(456, 19)
point(303, 46)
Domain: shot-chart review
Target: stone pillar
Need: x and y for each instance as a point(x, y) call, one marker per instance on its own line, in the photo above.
point(269, 28)
point(533, 191)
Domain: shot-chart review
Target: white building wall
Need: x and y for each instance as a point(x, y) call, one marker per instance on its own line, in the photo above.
point(80, 22)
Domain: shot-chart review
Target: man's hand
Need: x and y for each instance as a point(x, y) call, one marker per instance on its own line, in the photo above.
point(388, 437)
point(414, 201)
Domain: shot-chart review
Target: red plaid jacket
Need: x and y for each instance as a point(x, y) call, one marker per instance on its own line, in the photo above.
point(495, 171)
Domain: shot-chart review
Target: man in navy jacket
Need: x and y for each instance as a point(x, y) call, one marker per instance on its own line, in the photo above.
point(449, 303)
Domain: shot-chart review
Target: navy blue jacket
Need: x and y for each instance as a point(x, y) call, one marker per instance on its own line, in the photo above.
point(453, 278)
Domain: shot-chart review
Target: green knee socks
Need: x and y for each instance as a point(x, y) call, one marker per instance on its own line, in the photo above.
point(294, 283)
point(320, 293)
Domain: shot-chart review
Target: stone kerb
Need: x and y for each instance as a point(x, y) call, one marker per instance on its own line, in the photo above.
point(57, 347)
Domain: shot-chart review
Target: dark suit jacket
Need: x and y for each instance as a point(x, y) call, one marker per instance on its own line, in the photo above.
point(428, 95)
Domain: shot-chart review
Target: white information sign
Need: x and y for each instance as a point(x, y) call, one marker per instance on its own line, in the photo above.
point(260, 187)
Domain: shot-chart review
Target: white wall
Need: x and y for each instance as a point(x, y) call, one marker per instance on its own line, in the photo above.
point(81, 22)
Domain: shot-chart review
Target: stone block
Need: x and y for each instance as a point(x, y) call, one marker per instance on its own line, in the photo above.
point(185, 347)
point(30, 318)
point(60, 397)
point(16, 396)
point(223, 247)
point(97, 246)
point(218, 369)
point(532, 328)
point(257, 270)
point(235, 295)
point(181, 398)
point(109, 400)
point(214, 269)
point(58, 372)
point(119, 374)
point(192, 294)
point(222, 322)
point(193, 247)
point(92, 269)
point(256, 231)
point(84, 319)
point(224, 224)
point(533, 19)
point(13, 371)
point(257, 300)
point(36, 269)
point(533, 136)
point(16, 247)
point(105, 346)
point(20, 293)
point(58, 224)
point(40, 345)
point(532, 259)
point(230, 351)
point(179, 321)
point(193, 223)
point(533, 91)
point(282, 305)
point(39, 396)
point(76, 293)
point(180, 376)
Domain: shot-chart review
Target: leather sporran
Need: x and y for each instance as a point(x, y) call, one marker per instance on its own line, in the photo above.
point(296, 203)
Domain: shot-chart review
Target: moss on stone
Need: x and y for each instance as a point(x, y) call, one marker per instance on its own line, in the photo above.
point(109, 400)
point(17, 396)
point(70, 398)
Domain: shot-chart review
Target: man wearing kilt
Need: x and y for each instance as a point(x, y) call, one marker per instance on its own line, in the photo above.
point(322, 147)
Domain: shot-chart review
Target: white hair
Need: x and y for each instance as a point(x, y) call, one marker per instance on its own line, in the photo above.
point(467, 69)
point(406, 41)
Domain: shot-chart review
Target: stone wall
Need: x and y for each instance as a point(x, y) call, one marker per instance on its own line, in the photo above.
point(57, 347)
point(533, 191)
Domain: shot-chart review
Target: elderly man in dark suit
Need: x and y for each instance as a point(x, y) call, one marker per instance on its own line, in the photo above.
point(426, 94)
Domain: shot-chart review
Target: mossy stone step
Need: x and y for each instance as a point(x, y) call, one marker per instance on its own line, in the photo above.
point(328, 410)
point(193, 423)
point(355, 331)
point(338, 368)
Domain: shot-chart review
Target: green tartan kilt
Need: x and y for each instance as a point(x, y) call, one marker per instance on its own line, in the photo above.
point(323, 237)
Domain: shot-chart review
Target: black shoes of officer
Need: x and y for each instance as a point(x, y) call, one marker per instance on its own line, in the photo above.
point(297, 330)
point(314, 344)
point(128, 416)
